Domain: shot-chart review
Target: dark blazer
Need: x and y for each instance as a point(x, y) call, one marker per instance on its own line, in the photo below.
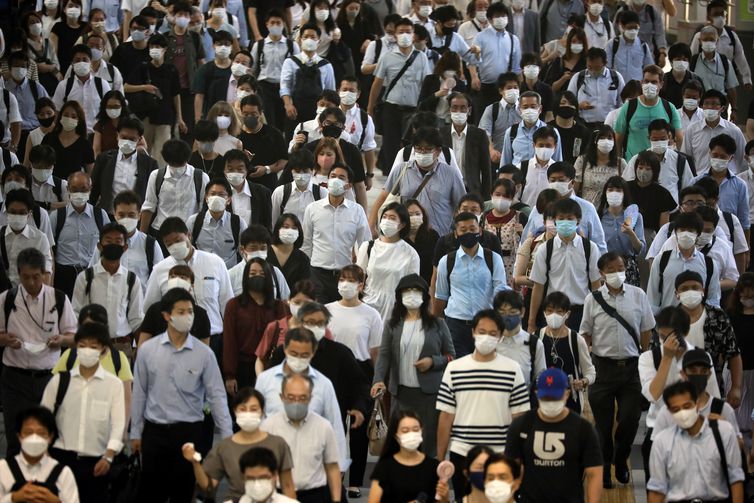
point(261, 204)
point(437, 345)
point(102, 194)
point(430, 85)
point(531, 43)
point(476, 159)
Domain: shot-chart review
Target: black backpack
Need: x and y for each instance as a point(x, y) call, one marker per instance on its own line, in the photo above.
point(89, 277)
point(451, 262)
point(665, 258)
point(581, 78)
point(149, 251)
point(62, 214)
point(19, 480)
point(532, 343)
point(550, 247)
point(69, 86)
point(723, 60)
point(260, 54)
point(633, 104)
point(308, 85)
point(235, 227)
point(288, 190)
point(73, 354)
point(10, 303)
point(197, 183)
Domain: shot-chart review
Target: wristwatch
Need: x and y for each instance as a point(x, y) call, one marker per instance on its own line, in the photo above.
point(109, 460)
point(370, 175)
point(267, 170)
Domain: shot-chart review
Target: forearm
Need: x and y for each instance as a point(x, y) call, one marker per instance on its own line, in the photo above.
point(286, 484)
point(370, 160)
point(536, 302)
point(444, 425)
point(737, 492)
point(360, 193)
point(593, 484)
point(438, 307)
point(202, 480)
point(736, 368)
point(198, 105)
point(15, 133)
point(146, 219)
point(657, 385)
point(333, 480)
point(655, 497)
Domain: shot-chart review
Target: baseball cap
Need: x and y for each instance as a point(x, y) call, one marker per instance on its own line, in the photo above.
point(696, 356)
point(552, 383)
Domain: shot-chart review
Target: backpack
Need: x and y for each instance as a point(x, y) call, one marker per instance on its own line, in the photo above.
point(728, 217)
point(149, 251)
point(235, 227)
point(532, 343)
point(364, 122)
point(69, 86)
point(288, 189)
point(377, 49)
point(445, 151)
point(308, 84)
point(665, 258)
point(451, 262)
point(6, 101)
point(10, 302)
point(445, 47)
point(72, 355)
point(733, 43)
point(197, 184)
point(633, 104)
point(7, 162)
point(723, 60)
point(89, 277)
point(581, 78)
point(616, 45)
point(550, 247)
point(19, 480)
point(260, 54)
point(62, 214)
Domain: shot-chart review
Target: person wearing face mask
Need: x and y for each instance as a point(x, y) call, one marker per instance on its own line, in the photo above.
point(707, 441)
point(73, 152)
point(533, 171)
point(246, 317)
point(474, 472)
point(26, 92)
point(404, 470)
point(88, 399)
point(109, 280)
point(18, 177)
point(19, 235)
point(558, 72)
point(598, 27)
point(518, 143)
point(494, 380)
point(174, 367)
point(381, 45)
point(714, 69)
point(242, 64)
point(476, 20)
point(526, 250)
point(599, 163)
point(288, 236)
point(651, 27)
point(387, 259)
point(112, 108)
point(501, 114)
point(100, 67)
point(684, 256)
point(443, 36)
point(447, 78)
point(526, 26)
point(422, 237)
point(64, 33)
point(569, 127)
point(255, 243)
point(616, 308)
point(133, 49)
point(555, 16)
point(505, 223)
point(740, 309)
point(124, 168)
point(294, 197)
point(49, 191)
point(210, 80)
point(311, 130)
point(205, 156)
point(556, 447)
point(261, 474)
point(71, 223)
point(691, 111)
point(675, 80)
point(627, 53)
point(222, 462)
point(597, 88)
point(748, 178)
point(44, 110)
point(500, 480)
point(532, 66)
point(41, 475)
point(214, 229)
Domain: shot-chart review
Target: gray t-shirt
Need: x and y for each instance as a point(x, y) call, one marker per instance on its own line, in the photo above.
point(222, 461)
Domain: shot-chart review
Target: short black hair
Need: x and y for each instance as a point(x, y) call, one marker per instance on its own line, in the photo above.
point(158, 39)
point(33, 258)
point(171, 225)
point(679, 388)
point(127, 197)
point(43, 415)
point(300, 334)
point(173, 296)
point(310, 26)
point(129, 122)
point(709, 186)
point(674, 317)
point(222, 36)
point(181, 6)
point(20, 196)
point(236, 155)
point(529, 58)
point(95, 313)
point(112, 227)
point(708, 214)
point(712, 94)
point(244, 395)
point(689, 221)
point(302, 158)
point(557, 300)
point(510, 297)
point(176, 152)
point(724, 141)
point(628, 17)
point(607, 258)
point(81, 49)
point(566, 206)
point(313, 307)
point(93, 330)
point(561, 167)
point(544, 132)
point(340, 116)
point(472, 197)
point(506, 77)
point(274, 13)
point(19, 170)
point(694, 85)
point(252, 100)
point(678, 50)
point(331, 96)
point(205, 130)
point(685, 276)
point(255, 233)
point(692, 190)
point(658, 125)
point(597, 53)
point(488, 314)
point(219, 181)
point(43, 154)
point(464, 216)
point(258, 456)
point(428, 135)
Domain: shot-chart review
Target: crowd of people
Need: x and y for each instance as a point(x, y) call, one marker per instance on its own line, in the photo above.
point(219, 309)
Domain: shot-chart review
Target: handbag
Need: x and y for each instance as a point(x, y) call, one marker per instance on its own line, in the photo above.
point(125, 488)
point(377, 428)
point(394, 195)
point(143, 103)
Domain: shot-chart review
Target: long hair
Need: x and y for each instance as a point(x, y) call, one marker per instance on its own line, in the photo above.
point(423, 231)
point(329, 22)
point(225, 108)
point(615, 182)
point(124, 110)
point(269, 287)
point(74, 105)
point(449, 61)
point(330, 144)
point(603, 132)
point(399, 311)
point(581, 35)
point(402, 213)
point(392, 446)
point(745, 282)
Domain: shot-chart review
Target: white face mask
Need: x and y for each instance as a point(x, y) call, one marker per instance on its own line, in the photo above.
point(18, 73)
point(416, 221)
point(412, 300)
point(709, 46)
point(501, 204)
point(347, 98)
point(302, 179)
point(35, 29)
point(555, 320)
point(649, 91)
point(563, 188)
point(79, 199)
point(258, 490)
point(178, 282)
point(389, 228)
point(481, 17)
point(680, 65)
point(510, 96)
point(459, 118)
point(577, 48)
point(550, 408)
point(256, 254)
point(126, 146)
point(485, 344)
point(410, 440)
point(498, 491)
point(336, 186)
point(179, 250)
point(614, 198)
point(544, 153)
point(595, 9)
point(348, 290)
point(319, 332)
point(275, 30)
point(615, 279)
point(686, 418)
point(424, 160)
point(690, 104)
point(405, 40)
point(531, 72)
point(249, 421)
point(530, 115)
point(704, 239)
point(235, 179)
point(129, 223)
point(216, 203)
point(34, 445)
point(288, 236)
point(69, 123)
point(605, 145)
point(114, 113)
point(88, 357)
point(690, 298)
point(222, 51)
point(82, 68)
point(711, 114)
point(659, 147)
point(296, 364)
point(156, 53)
point(223, 122)
point(425, 10)
point(499, 23)
point(686, 239)
point(182, 323)
point(321, 14)
point(17, 222)
point(309, 44)
point(12, 185)
point(41, 175)
point(72, 12)
point(631, 34)
point(718, 165)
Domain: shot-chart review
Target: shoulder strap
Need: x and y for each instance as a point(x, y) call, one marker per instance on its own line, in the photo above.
point(549, 247)
point(71, 360)
point(36, 213)
point(446, 152)
point(450, 263)
point(235, 228)
point(34, 90)
point(369, 249)
point(510, 54)
point(197, 227)
point(98, 220)
point(616, 45)
point(664, 259)
point(60, 221)
point(68, 87)
point(316, 192)
point(161, 172)
point(6, 158)
point(514, 132)
point(149, 249)
point(130, 281)
point(3, 248)
point(52, 478)
point(495, 113)
point(260, 55)
point(115, 354)
point(726, 66)
point(98, 86)
point(524, 172)
point(720, 450)
point(728, 217)
point(574, 336)
point(111, 70)
point(710, 266)
point(489, 261)
point(364, 121)
point(651, 11)
point(533, 341)
point(717, 406)
point(680, 164)
point(656, 356)
point(614, 78)
point(587, 255)
point(668, 110)
point(694, 59)
point(630, 111)
point(65, 380)
point(15, 470)
point(580, 78)
point(403, 69)
point(198, 185)
point(10, 302)
point(613, 313)
point(377, 49)
point(287, 189)
point(89, 277)
point(57, 188)
point(60, 299)
point(289, 47)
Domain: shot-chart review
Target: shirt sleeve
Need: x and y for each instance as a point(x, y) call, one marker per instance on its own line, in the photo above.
point(216, 396)
point(507, 156)
point(307, 226)
point(332, 454)
point(117, 418)
point(655, 297)
point(151, 201)
point(499, 282)
point(139, 395)
point(286, 77)
point(446, 397)
point(519, 397)
point(68, 492)
point(136, 306)
point(591, 455)
point(647, 372)
point(442, 285)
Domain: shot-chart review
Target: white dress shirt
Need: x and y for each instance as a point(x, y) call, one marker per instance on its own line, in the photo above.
point(330, 232)
point(568, 267)
point(698, 115)
point(29, 237)
point(354, 127)
point(124, 313)
point(516, 347)
point(211, 284)
point(67, 490)
point(86, 94)
point(44, 222)
point(34, 320)
point(92, 417)
point(177, 196)
point(44, 192)
point(124, 177)
point(748, 177)
point(459, 145)
point(536, 182)
point(297, 202)
point(135, 258)
point(115, 80)
point(241, 202)
point(236, 281)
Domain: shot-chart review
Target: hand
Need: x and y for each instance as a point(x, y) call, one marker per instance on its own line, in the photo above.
point(476, 84)
point(671, 347)
point(627, 228)
point(291, 112)
point(55, 341)
point(519, 229)
point(377, 388)
point(442, 490)
point(495, 156)
point(364, 46)
point(566, 76)
point(101, 468)
point(532, 325)
point(580, 384)
point(585, 105)
point(10, 341)
point(150, 88)
point(188, 452)
point(182, 126)
point(231, 386)
point(300, 138)
point(259, 172)
point(423, 364)
point(475, 50)
point(358, 418)
point(249, 155)
point(135, 446)
point(368, 183)
point(733, 116)
point(443, 91)
point(734, 397)
point(26, 493)
point(661, 59)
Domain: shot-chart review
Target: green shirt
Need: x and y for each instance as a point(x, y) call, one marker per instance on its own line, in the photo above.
point(638, 135)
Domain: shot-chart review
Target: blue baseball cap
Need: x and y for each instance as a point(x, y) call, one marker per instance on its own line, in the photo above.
point(552, 383)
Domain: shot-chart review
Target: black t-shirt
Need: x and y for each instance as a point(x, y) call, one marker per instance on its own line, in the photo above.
point(672, 90)
point(573, 140)
point(545, 91)
point(69, 159)
point(211, 81)
point(263, 7)
point(448, 243)
point(296, 268)
point(214, 168)
point(268, 147)
point(401, 483)
point(155, 324)
point(652, 201)
point(554, 456)
point(126, 56)
point(67, 37)
point(165, 78)
point(742, 324)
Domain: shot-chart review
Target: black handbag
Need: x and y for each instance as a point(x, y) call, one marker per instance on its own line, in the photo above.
point(125, 479)
point(143, 103)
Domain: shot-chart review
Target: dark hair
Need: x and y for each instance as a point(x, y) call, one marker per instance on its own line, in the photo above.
point(96, 331)
point(725, 142)
point(349, 172)
point(222, 36)
point(96, 313)
point(514, 465)
point(510, 297)
point(488, 314)
point(17, 169)
point(561, 167)
point(269, 284)
point(205, 130)
point(173, 224)
point(255, 233)
point(693, 85)
point(279, 224)
point(313, 307)
point(392, 446)
point(689, 221)
point(33, 258)
point(181, 6)
point(305, 287)
point(127, 197)
point(649, 158)
point(112, 227)
point(398, 315)
point(245, 394)
point(685, 276)
point(44, 102)
point(404, 21)
point(748, 147)
point(597, 53)
point(314, 27)
point(708, 215)
point(557, 300)
point(745, 282)
point(258, 456)
point(546, 199)
point(139, 21)
point(424, 232)
point(630, 90)
point(236, 155)
point(615, 182)
point(252, 100)
point(463, 216)
point(714, 94)
point(302, 158)
point(43, 415)
point(428, 135)
point(403, 217)
point(673, 317)
point(182, 270)
point(274, 13)
point(529, 58)
point(543, 133)
point(602, 131)
point(81, 48)
point(176, 152)
point(679, 388)
point(158, 39)
point(459, 95)
point(301, 334)
point(566, 206)
point(352, 270)
point(628, 17)
point(450, 60)
point(128, 122)
point(678, 50)
point(509, 186)
point(173, 296)
point(20, 196)
point(221, 182)
point(607, 258)
point(504, 78)
point(472, 197)
point(80, 115)
point(709, 186)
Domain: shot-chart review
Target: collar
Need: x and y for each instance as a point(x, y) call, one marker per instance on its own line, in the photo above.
point(677, 252)
point(98, 374)
point(278, 371)
point(605, 291)
point(520, 338)
point(533, 164)
point(189, 172)
point(130, 160)
point(268, 40)
point(49, 181)
point(25, 232)
point(88, 210)
point(28, 296)
point(460, 253)
point(559, 243)
point(463, 133)
point(164, 339)
point(100, 269)
point(223, 219)
point(22, 461)
point(346, 203)
point(536, 125)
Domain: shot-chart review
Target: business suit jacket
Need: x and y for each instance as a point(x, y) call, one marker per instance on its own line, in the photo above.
point(437, 345)
point(531, 42)
point(261, 204)
point(102, 193)
point(476, 159)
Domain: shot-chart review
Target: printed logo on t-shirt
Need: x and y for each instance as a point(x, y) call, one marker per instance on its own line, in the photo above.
point(549, 448)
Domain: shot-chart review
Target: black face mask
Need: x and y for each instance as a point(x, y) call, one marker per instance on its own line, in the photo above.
point(699, 382)
point(47, 121)
point(468, 240)
point(331, 131)
point(448, 30)
point(251, 122)
point(566, 112)
point(112, 251)
point(255, 283)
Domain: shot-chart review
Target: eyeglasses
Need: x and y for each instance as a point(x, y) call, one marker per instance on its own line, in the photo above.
point(297, 399)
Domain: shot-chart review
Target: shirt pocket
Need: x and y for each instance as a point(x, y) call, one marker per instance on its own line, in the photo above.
point(99, 410)
point(187, 380)
point(209, 288)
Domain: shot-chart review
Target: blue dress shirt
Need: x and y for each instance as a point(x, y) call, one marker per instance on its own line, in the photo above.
point(496, 54)
point(618, 241)
point(522, 147)
point(734, 196)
